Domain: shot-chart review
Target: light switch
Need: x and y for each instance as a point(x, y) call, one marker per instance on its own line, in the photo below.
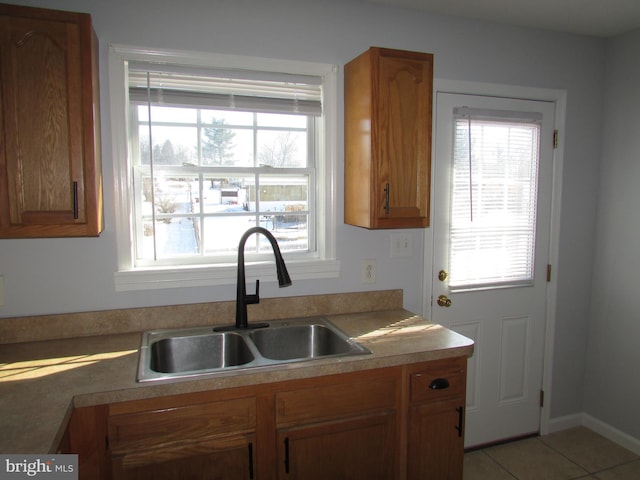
point(401, 245)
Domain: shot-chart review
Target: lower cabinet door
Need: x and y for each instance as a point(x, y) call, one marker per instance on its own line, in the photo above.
point(363, 448)
point(436, 441)
point(226, 458)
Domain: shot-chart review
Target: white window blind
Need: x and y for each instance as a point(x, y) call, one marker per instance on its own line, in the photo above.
point(228, 89)
point(493, 203)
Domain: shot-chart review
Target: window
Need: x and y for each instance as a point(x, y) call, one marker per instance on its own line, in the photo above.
point(210, 146)
point(494, 197)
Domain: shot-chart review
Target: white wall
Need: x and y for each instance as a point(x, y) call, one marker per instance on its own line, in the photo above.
point(52, 276)
point(612, 383)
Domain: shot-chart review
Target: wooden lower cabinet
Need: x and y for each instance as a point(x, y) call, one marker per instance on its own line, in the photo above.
point(341, 427)
point(436, 420)
point(403, 422)
point(212, 439)
point(436, 448)
point(358, 448)
point(211, 458)
point(86, 436)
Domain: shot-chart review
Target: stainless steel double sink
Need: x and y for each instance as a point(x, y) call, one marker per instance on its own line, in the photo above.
point(182, 353)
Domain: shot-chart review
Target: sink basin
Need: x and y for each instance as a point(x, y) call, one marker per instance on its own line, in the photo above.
point(302, 341)
point(181, 353)
point(199, 352)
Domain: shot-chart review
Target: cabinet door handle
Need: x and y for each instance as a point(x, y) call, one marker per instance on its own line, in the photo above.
point(75, 200)
point(286, 455)
point(439, 384)
point(386, 198)
point(250, 461)
point(460, 418)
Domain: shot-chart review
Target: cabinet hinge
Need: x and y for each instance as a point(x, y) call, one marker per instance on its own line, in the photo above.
point(541, 398)
point(555, 139)
point(548, 272)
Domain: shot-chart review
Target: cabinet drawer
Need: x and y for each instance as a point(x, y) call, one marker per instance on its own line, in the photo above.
point(337, 399)
point(154, 427)
point(438, 380)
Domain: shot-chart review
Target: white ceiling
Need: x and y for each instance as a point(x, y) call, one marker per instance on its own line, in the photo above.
point(602, 18)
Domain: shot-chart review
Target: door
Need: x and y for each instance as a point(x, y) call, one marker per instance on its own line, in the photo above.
point(216, 458)
point(357, 448)
point(435, 445)
point(492, 207)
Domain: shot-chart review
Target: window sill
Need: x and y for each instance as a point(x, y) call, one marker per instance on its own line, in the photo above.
point(205, 276)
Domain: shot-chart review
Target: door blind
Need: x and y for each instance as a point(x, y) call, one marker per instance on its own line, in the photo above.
point(493, 204)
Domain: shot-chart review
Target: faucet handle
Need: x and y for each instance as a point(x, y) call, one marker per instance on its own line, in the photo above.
point(251, 299)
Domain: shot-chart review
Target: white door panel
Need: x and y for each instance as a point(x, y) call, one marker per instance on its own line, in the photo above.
point(507, 322)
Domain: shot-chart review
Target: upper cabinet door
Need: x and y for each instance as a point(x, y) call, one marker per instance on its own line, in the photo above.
point(50, 174)
point(388, 105)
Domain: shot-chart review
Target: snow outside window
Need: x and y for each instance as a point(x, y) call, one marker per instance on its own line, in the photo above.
point(216, 145)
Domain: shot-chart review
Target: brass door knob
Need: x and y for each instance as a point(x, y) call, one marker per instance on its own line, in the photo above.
point(444, 301)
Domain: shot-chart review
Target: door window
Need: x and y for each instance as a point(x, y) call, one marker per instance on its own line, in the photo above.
point(493, 198)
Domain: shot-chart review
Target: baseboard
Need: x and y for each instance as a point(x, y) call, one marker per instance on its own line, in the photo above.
point(598, 426)
point(613, 434)
point(563, 423)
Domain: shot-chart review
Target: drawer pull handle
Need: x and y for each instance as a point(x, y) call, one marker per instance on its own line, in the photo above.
point(286, 455)
point(75, 201)
point(250, 461)
point(439, 384)
point(386, 198)
point(460, 420)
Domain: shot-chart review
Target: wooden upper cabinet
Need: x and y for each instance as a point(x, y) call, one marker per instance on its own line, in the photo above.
point(50, 172)
point(388, 107)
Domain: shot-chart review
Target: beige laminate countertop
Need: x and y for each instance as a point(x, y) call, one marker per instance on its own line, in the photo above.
point(41, 382)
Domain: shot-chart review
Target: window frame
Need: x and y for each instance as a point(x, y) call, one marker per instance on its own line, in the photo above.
point(321, 264)
point(258, 173)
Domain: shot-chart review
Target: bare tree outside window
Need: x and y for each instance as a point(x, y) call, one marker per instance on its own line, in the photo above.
point(280, 152)
point(165, 154)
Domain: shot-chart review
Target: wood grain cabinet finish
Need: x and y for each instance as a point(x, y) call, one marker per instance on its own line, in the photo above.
point(436, 420)
point(358, 448)
point(345, 427)
point(50, 170)
point(214, 440)
point(388, 117)
point(386, 423)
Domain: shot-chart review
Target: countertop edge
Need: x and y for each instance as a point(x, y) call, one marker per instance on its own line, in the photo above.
point(278, 373)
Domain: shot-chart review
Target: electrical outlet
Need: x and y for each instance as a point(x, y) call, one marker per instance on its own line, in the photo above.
point(368, 271)
point(401, 244)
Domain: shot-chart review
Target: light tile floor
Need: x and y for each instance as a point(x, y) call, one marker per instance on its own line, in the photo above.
point(577, 453)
